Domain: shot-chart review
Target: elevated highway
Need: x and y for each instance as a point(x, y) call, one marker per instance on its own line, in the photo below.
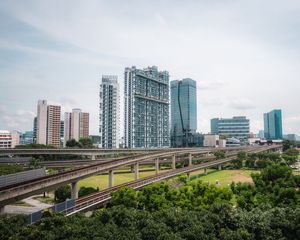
point(22, 190)
point(96, 199)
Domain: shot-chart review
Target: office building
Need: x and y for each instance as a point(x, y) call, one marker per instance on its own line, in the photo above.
point(26, 138)
point(48, 124)
point(273, 125)
point(9, 139)
point(76, 125)
point(146, 108)
point(291, 137)
point(183, 111)
point(109, 112)
point(236, 127)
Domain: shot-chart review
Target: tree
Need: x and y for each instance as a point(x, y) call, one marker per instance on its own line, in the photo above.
point(86, 143)
point(83, 191)
point(62, 193)
point(220, 154)
point(72, 143)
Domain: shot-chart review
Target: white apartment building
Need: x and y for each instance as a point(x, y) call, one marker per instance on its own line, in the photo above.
point(109, 112)
point(76, 125)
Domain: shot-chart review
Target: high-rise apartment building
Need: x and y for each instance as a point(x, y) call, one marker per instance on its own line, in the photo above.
point(183, 111)
point(48, 124)
point(109, 112)
point(146, 108)
point(236, 127)
point(42, 118)
point(273, 125)
point(76, 125)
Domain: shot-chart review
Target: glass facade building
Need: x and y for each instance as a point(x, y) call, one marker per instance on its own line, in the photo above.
point(183, 111)
point(273, 125)
point(146, 107)
point(236, 127)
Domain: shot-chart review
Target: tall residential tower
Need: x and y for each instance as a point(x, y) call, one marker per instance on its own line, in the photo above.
point(183, 111)
point(48, 124)
point(146, 108)
point(76, 125)
point(109, 116)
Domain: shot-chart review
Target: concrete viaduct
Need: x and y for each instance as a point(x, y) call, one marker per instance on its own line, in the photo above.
point(19, 191)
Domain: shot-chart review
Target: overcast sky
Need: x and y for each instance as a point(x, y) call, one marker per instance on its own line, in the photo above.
point(244, 54)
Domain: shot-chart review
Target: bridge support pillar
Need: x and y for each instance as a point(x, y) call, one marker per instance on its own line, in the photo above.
point(2, 209)
point(189, 175)
point(220, 167)
point(190, 159)
point(136, 171)
point(74, 194)
point(156, 165)
point(93, 157)
point(110, 178)
point(173, 162)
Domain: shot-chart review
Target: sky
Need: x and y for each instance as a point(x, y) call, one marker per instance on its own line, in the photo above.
point(244, 55)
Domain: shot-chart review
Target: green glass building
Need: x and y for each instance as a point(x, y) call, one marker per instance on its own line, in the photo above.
point(273, 125)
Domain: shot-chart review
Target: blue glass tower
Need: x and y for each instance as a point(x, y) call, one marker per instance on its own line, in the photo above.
point(183, 109)
point(273, 125)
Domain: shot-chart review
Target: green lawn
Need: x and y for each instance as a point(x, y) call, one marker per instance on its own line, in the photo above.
point(224, 177)
point(101, 181)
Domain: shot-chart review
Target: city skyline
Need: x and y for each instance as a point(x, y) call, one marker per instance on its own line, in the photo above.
point(245, 68)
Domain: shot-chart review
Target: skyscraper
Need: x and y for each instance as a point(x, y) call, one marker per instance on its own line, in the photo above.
point(41, 130)
point(76, 125)
point(48, 124)
point(237, 127)
point(53, 125)
point(183, 111)
point(146, 108)
point(273, 125)
point(109, 112)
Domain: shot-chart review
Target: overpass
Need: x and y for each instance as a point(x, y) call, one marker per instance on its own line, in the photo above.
point(19, 191)
point(96, 199)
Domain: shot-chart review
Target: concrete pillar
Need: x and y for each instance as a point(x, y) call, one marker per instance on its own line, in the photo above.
point(190, 159)
point(173, 162)
point(74, 194)
point(205, 171)
point(188, 175)
point(110, 178)
point(220, 167)
point(93, 157)
point(2, 209)
point(156, 165)
point(136, 171)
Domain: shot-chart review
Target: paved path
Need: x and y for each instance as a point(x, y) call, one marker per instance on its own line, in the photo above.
point(36, 206)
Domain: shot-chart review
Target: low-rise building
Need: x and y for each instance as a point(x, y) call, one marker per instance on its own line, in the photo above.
point(9, 139)
point(211, 140)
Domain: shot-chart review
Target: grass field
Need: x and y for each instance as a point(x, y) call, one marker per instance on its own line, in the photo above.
point(101, 181)
point(224, 177)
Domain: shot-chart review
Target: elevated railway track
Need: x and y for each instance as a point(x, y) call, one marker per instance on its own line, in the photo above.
point(96, 199)
point(22, 190)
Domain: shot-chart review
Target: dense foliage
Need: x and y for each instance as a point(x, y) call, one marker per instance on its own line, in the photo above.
point(262, 160)
point(82, 143)
point(268, 209)
point(10, 169)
